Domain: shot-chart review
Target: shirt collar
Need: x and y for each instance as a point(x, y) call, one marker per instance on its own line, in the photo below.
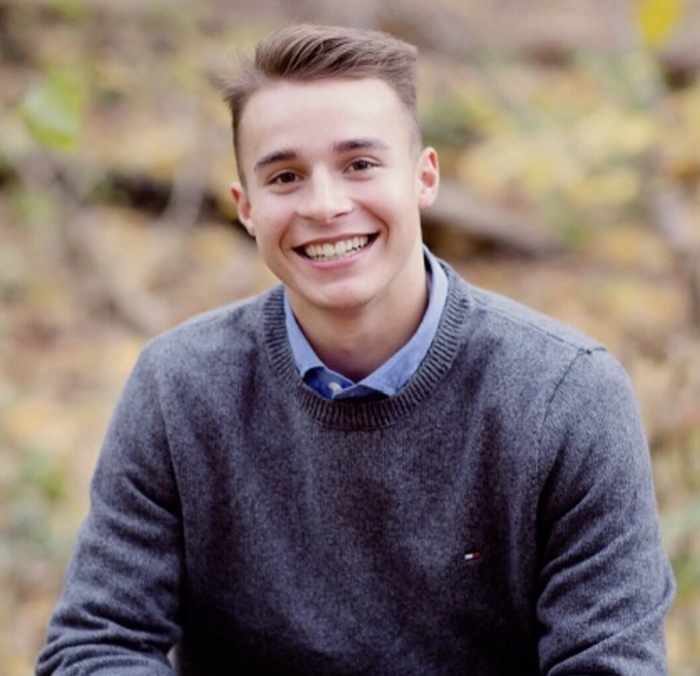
point(394, 373)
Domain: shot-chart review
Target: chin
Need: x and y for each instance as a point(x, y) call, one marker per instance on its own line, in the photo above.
point(347, 301)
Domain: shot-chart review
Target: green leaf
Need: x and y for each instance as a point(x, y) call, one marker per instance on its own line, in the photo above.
point(53, 109)
point(70, 9)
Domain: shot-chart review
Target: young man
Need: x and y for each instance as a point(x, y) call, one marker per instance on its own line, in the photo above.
point(374, 468)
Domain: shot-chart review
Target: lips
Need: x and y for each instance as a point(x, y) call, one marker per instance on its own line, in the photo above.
point(328, 251)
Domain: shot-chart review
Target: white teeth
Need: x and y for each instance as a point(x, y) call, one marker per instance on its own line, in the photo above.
point(328, 251)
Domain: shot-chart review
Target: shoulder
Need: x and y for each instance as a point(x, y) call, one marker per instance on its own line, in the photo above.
point(509, 319)
point(502, 331)
point(567, 395)
point(222, 337)
point(521, 356)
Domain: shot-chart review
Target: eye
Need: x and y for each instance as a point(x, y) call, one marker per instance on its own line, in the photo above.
point(361, 164)
point(283, 178)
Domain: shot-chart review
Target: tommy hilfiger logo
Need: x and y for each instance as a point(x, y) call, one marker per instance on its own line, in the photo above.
point(471, 556)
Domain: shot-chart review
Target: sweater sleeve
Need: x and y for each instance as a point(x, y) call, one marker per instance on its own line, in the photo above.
point(605, 580)
point(119, 607)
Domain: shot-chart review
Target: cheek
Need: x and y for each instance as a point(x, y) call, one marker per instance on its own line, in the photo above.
point(269, 220)
point(394, 202)
point(381, 196)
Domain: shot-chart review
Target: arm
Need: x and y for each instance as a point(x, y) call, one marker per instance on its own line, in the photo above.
point(118, 612)
point(605, 581)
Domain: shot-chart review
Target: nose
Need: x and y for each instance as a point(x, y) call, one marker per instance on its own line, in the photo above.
point(323, 198)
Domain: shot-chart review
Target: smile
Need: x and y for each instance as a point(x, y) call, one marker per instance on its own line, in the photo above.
point(341, 249)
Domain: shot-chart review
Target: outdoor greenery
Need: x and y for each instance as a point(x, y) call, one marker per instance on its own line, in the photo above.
point(569, 137)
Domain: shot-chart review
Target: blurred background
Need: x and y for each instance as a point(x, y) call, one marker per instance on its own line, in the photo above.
point(569, 136)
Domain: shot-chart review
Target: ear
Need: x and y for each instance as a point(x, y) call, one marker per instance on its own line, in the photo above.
point(240, 197)
point(427, 177)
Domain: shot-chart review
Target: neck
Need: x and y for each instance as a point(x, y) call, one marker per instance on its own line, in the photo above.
point(355, 343)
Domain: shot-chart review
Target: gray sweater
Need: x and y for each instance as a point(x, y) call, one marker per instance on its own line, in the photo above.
point(496, 517)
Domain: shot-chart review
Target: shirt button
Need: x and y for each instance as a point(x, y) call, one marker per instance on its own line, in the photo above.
point(335, 387)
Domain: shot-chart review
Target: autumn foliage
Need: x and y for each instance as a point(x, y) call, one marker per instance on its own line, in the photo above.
point(569, 137)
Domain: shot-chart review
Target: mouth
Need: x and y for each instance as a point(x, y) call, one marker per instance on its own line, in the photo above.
point(330, 251)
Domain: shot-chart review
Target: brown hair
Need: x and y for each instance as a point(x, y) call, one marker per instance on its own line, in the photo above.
point(305, 53)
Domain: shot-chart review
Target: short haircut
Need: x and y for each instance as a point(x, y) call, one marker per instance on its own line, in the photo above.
point(307, 53)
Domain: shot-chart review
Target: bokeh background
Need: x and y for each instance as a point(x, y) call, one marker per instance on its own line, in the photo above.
point(569, 135)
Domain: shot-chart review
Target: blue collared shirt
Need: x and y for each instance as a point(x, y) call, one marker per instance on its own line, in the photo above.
point(394, 373)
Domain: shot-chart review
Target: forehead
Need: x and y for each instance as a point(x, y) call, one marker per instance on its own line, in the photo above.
point(312, 115)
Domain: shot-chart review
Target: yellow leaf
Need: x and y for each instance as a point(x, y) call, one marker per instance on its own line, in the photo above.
point(656, 20)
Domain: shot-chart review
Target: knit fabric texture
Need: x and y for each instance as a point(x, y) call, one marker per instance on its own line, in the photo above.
point(496, 517)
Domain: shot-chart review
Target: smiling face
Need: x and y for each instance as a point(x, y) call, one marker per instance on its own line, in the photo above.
point(333, 192)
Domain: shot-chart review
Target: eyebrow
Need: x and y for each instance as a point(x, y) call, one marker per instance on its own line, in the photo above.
point(340, 147)
point(359, 144)
point(276, 156)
